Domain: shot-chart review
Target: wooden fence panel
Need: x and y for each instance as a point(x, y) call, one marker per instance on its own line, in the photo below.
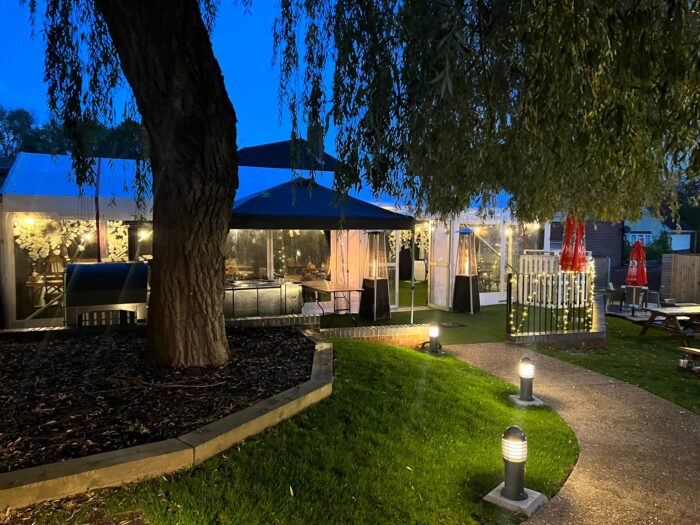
point(684, 281)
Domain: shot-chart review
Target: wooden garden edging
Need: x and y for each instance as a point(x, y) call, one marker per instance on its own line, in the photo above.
point(66, 478)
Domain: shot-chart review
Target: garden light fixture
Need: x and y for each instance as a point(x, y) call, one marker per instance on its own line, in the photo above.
point(511, 494)
point(514, 450)
point(527, 373)
point(434, 334)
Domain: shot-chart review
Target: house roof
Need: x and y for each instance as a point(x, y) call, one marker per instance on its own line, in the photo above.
point(305, 204)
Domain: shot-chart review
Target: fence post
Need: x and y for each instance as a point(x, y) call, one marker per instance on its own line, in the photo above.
point(509, 301)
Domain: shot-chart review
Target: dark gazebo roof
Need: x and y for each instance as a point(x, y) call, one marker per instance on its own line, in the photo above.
point(305, 204)
point(282, 155)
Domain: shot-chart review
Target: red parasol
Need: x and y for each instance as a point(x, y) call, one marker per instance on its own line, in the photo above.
point(637, 271)
point(573, 252)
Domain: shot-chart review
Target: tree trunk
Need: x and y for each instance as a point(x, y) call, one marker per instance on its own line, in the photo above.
point(167, 58)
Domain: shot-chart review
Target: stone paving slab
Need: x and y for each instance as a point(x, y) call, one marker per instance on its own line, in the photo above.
point(640, 454)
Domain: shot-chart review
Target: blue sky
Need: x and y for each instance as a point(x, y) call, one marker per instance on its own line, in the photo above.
point(242, 44)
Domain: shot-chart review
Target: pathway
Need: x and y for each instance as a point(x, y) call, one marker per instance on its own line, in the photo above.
point(640, 454)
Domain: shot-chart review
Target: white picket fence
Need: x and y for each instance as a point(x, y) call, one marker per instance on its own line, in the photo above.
point(540, 281)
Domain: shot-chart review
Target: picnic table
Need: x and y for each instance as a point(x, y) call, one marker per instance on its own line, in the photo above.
point(319, 286)
point(678, 320)
point(691, 358)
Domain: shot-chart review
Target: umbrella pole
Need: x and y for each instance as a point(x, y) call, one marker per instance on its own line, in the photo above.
point(413, 266)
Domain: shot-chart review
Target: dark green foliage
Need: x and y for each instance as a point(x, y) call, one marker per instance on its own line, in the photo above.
point(14, 126)
point(589, 105)
point(125, 141)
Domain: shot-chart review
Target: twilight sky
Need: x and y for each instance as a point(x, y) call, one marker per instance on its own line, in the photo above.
point(242, 44)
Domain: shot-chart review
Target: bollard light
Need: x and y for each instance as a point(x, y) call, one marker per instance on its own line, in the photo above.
point(527, 373)
point(514, 449)
point(434, 334)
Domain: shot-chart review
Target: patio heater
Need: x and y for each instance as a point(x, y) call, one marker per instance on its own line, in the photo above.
point(374, 303)
point(466, 291)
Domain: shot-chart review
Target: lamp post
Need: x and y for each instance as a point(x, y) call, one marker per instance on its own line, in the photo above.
point(514, 450)
point(527, 373)
point(434, 334)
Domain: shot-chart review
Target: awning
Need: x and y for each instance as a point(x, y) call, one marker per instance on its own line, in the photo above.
point(306, 205)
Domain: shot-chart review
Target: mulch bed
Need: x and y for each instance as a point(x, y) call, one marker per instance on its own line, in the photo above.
point(68, 395)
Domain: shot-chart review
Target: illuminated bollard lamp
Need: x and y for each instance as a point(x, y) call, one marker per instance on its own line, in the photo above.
point(512, 494)
point(514, 450)
point(433, 342)
point(526, 371)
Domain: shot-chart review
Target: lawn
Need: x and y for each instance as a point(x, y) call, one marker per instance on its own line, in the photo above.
point(487, 326)
point(649, 362)
point(420, 296)
point(405, 438)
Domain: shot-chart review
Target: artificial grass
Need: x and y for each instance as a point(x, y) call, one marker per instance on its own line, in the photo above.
point(649, 362)
point(420, 294)
point(488, 326)
point(405, 438)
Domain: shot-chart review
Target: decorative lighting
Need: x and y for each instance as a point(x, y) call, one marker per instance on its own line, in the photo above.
point(87, 237)
point(144, 233)
point(526, 371)
point(434, 334)
point(514, 450)
point(29, 220)
point(509, 231)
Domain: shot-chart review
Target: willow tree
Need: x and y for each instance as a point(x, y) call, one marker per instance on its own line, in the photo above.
point(590, 105)
point(163, 50)
point(586, 105)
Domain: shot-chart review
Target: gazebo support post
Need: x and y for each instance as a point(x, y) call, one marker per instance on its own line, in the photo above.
point(413, 268)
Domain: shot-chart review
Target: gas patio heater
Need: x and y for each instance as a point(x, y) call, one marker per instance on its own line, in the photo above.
point(466, 292)
point(374, 303)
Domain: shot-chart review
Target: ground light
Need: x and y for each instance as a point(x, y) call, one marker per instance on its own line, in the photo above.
point(433, 343)
point(512, 494)
point(526, 371)
point(514, 450)
point(434, 334)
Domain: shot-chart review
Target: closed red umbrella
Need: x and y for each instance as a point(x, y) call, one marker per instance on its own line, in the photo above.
point(573, 251)
point(637, 271)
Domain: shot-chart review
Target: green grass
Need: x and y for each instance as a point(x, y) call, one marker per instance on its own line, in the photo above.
point(485, 327)
point(649, 362)
point(405, 438)
point(420, 297)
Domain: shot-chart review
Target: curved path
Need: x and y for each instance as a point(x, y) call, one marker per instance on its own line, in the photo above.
point(640, 454)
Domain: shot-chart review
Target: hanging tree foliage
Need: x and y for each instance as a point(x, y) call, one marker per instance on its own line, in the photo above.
point(588, 105)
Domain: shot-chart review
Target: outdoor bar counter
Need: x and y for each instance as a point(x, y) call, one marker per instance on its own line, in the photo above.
point(262, 297)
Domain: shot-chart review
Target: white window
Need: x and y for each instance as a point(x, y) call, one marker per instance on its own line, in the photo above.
point(645, 237)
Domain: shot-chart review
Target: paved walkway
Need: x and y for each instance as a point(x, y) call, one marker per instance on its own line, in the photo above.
point(640, 454)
